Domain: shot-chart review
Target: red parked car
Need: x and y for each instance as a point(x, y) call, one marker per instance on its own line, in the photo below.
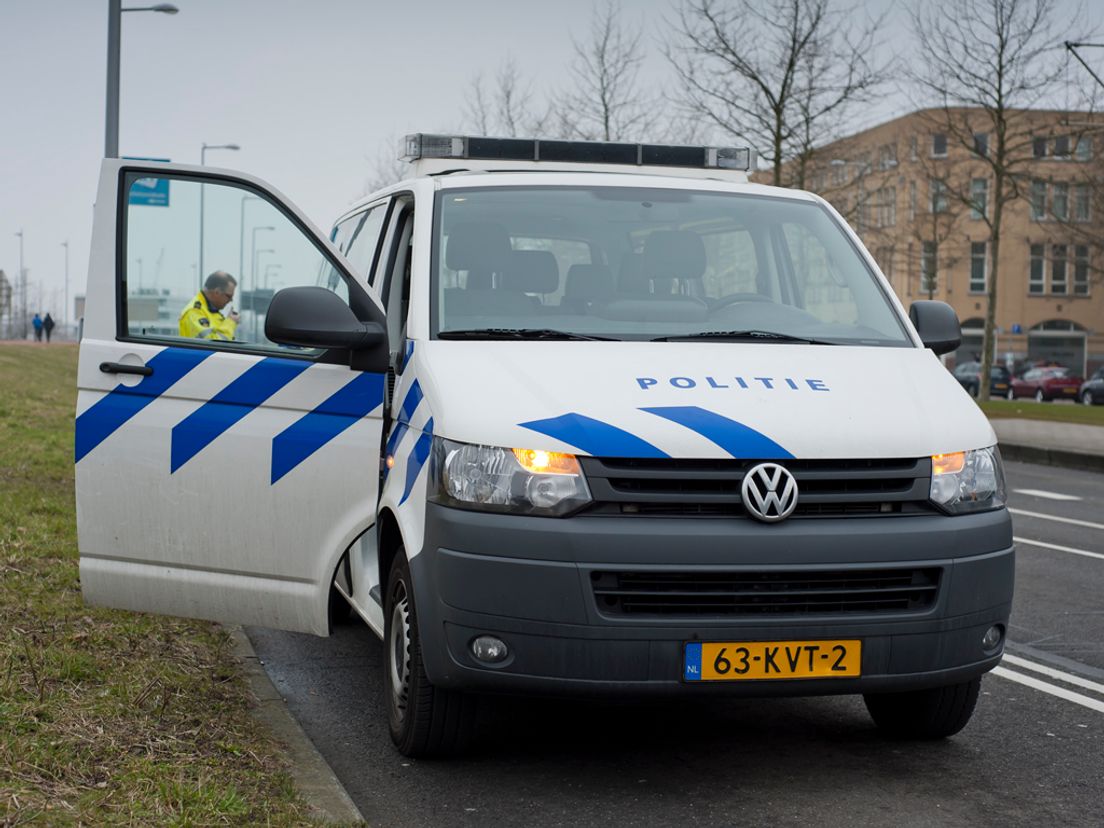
point(1049, 383)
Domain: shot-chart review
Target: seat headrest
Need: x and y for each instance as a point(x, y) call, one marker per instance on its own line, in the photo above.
point(532, 271)
point(674, 254)
point(588, 281)
point(477, 245)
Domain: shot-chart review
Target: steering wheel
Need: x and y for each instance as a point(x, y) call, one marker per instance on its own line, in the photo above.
point(733, 298)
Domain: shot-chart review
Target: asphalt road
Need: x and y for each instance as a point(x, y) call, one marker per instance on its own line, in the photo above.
point(1032, 754)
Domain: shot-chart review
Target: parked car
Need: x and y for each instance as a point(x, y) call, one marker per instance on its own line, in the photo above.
point(1092, 389)
point(1050, 383)
point(968, 375)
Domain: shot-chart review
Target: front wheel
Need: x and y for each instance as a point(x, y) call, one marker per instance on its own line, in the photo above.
point(425, 720)
point(1010, 394)
point(1087, 398)
point(935, 713)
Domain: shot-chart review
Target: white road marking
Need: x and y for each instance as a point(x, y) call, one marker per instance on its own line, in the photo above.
point(1068, 678)
point(1058, 548)
point(1045, 494)
point(1072, 521)
point(1054, 690)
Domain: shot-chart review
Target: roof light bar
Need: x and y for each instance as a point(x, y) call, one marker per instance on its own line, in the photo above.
point(421, 145)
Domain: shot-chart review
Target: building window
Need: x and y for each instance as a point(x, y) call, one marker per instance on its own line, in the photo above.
point(1081, 269)
point(928, 267)
point(1059, 201)
point(1036, 282)
point(1058, 268)
point(1080, 202)
point(885, 207)
point(1062, 146)
point(939, 145)
point(1083, 152)
point(912, 148)
point(1038, 199)
point(977, 267)
point(938, 196)
point(887, 157)
point(1039, 147)
point(912, 201)
point(979, 198)
point(981, 143)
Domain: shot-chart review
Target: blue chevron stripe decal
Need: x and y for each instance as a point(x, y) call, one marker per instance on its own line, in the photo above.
point(410, 403)
point(734, 437)
point(418, 459)
point(355, 400)
point(594, 437)
point(107, 415)
point(200, 428)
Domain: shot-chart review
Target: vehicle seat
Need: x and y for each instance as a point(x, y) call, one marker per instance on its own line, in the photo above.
point(532, 271)
point(586, 285)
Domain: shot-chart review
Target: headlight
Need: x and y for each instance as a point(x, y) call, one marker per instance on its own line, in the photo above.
point(493, 479)
point(968, 481)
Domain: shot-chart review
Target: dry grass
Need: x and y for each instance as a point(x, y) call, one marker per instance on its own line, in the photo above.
point(106, 717)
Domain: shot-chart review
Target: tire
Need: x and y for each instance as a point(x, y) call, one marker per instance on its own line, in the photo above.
point(1087, 398)
point(425, 721)
point(1039, 395)
point(1010, 394)
point(924, 714)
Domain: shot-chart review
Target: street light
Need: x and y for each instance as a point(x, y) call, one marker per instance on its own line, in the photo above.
point(256, 258)
point(114, 17)
point(65, 307)
point(22, 284)
point(202, 161)
point(270, 267)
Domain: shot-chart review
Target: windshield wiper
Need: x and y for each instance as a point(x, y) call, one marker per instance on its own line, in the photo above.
point(754, 335)
point(520, 333)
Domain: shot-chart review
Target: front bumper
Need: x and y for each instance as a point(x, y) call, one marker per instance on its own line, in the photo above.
point(528, 581)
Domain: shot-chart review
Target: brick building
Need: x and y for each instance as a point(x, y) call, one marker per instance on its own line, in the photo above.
point(916, 192)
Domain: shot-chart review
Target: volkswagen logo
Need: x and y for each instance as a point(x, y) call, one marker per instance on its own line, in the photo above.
point(769, 492)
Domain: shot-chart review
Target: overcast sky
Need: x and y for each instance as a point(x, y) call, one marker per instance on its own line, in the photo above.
point(310, 89)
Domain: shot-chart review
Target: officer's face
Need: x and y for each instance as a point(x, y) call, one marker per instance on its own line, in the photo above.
point(220, 298)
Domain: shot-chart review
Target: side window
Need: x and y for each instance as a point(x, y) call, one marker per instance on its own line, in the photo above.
point(363, 242)
point(203, 260)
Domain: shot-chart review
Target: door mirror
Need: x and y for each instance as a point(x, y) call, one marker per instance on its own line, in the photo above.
point(314, 317)
point(937, 324)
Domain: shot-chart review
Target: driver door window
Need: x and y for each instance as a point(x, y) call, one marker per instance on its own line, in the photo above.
point(203, 261)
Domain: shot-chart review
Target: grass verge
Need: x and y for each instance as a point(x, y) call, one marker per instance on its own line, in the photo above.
point(106, 717)
point(1055, 412)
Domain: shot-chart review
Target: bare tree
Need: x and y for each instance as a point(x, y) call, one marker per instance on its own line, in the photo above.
point(387, 167)
point(606, 101)
point(505, 108)
point(984, 64)
point(781, 75)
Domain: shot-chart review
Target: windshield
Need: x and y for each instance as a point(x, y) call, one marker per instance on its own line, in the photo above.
point(634, 263)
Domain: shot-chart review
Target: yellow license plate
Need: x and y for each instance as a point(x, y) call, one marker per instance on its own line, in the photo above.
point(735, 660)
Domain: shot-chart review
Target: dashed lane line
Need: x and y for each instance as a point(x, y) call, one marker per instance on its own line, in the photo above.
point(1059, 548)
point(1043, 493)
point(1061, 675)
point(1072, 521)
point(1052, 689)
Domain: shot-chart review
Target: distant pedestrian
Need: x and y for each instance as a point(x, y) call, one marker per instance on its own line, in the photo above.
point(37, 322)
point(48, 326)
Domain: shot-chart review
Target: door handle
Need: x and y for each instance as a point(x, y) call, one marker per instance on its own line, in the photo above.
point(121, 368)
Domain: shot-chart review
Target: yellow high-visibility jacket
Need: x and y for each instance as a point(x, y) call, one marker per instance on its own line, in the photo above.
point(199, 321)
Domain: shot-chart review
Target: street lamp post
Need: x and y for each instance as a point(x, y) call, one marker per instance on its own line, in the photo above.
point(253, 271)
point(22, 282)
point(270, 267)
point(65, 307)
point(114, 18)
point(202, 161)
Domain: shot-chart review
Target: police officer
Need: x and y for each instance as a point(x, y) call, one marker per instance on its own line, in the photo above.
point(202, 318)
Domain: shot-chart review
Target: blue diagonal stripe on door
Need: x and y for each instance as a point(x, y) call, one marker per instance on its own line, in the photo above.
point(196, 431)
point(356, 399)
point(107, 415)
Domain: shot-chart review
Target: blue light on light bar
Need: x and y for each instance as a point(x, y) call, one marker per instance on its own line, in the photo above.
point(421, 145)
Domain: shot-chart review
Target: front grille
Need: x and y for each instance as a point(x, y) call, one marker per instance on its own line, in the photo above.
point(828, 592)
point(826, 488)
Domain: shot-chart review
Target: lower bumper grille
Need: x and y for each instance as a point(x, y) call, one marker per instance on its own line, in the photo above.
point(697, 594)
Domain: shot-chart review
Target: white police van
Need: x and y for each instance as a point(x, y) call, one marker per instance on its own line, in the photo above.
point(552, 417)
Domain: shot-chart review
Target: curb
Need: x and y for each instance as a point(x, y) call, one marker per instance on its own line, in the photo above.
point(314, 778)
point(1081, 461)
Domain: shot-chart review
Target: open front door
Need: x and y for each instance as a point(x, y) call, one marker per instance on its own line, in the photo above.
point(219, 474)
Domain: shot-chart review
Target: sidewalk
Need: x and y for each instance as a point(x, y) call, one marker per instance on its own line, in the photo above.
point(1057, 444)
